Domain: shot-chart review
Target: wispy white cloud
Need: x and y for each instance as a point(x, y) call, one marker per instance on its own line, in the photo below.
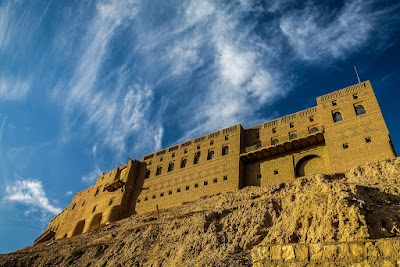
point(13, 89)
point(316, 34)
point(240, 70)
point(122, 109)
point(5, 17)
point(91, 176)
point(30, 192)
point(222, 69)
point(68, 193)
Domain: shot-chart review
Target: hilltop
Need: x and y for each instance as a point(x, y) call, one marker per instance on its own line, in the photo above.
point(350, 217)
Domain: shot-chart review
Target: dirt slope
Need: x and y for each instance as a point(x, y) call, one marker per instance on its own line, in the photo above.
point(220, 230)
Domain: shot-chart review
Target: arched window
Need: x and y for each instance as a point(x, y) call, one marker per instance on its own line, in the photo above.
point(196, 158)
point(337, 116)
point(313, 130)
point(159, 170)
point(274, 141)
point(225, 150)
point(210, 154)
point(292, 136)
point(360, 110)
point(170, 167)
point(183, 163)
point(147, 173)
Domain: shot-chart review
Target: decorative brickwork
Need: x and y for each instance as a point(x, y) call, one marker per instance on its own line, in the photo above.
point(345, 129)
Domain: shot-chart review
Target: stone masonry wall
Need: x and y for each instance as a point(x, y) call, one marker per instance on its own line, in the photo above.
point(382, 252)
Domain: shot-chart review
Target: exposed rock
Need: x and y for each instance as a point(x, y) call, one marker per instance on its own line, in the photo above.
point(317, 218)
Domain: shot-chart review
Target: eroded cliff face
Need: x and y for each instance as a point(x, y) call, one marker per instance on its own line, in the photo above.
point(222, 230)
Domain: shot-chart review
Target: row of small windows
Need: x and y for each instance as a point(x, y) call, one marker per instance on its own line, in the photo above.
point(185, 150)
point(337, 116)
point(293, 135)
point(196, 160)
point(359, 109)
point(291, 125)
point(94, 208)
point(355, 96)
point(367, 140)
point(187, 188)
point(259, 176)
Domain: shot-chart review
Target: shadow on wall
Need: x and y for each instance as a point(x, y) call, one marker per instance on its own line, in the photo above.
point(96, 221)
point(78, 228)
point(310, 164)
point(144, 173)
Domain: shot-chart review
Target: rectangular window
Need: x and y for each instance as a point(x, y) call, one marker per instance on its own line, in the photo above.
point(345, 146)
point(225, 178)
point(161, 194)
point(368, 140)
point(178, 190)
point(257, 135)
point(187, 188)
point(215, 180)
point(276, 172)
point(273, 130)
point(258, 175)
point(334, 103)
point(291, 125)
point(205, 183)
point(226, 137)
point(196, 185)
point(169, 192)
point(355, 96)
point(170, 167)
point(311, 118)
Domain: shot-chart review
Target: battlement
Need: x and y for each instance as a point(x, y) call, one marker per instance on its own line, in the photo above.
point(343, 92)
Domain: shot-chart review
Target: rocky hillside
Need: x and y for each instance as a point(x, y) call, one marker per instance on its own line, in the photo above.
point(221, 230)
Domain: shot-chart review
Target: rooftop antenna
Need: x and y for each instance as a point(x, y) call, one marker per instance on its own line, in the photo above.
point(358, 77)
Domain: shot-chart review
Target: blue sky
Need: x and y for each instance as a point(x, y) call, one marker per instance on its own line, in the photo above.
point(85, 85)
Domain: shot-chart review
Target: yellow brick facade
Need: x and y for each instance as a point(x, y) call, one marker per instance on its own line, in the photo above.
point(345, 129)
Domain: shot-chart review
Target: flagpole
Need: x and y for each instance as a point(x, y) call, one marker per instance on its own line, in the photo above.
point(358, 77)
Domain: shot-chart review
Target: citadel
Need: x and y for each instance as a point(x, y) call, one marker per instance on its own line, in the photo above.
point(345, 129)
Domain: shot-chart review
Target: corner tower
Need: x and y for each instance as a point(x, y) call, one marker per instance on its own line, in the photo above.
point(355, 131)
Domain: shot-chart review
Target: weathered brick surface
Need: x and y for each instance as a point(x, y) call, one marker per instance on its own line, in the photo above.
point(330, 254)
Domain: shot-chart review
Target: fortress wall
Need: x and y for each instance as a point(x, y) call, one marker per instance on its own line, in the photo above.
point(346, 140)
point(209, 176)
point(95, 206)
point(380, 252)
point(272, 152)
point(283, 168)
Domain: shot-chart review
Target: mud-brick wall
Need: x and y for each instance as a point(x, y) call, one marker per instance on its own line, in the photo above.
point(381, 252)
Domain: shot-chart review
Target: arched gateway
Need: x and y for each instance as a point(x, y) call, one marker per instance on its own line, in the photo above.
point(310, 164)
